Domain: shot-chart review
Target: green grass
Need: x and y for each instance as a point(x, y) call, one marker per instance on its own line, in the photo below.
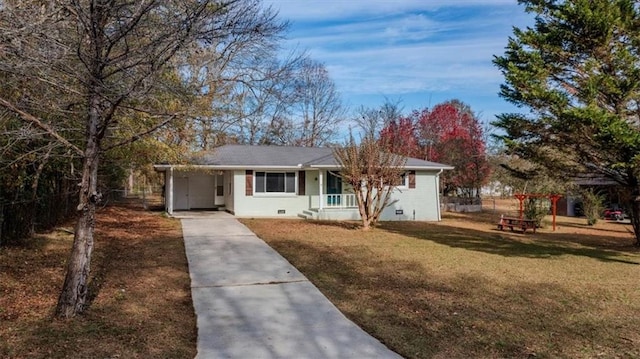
point(462, 289)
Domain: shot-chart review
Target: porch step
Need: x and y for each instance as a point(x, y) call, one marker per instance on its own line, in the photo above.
point(309, 214)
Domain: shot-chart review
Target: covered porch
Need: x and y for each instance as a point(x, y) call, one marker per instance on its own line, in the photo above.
point(332, 194)
point(331, 202)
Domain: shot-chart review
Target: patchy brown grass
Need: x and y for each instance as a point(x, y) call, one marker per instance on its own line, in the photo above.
point(141, 300)
point(461, 288)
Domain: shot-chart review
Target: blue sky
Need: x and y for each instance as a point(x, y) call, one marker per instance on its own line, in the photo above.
point(421, 52)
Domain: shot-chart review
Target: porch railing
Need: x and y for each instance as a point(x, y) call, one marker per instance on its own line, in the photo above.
point(340, 201)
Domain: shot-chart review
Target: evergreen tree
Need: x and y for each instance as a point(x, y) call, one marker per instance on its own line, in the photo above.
point(578, 72)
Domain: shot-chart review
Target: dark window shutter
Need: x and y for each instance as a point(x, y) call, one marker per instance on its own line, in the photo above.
point(412, 179)
point(301, 183)
point(248, 188)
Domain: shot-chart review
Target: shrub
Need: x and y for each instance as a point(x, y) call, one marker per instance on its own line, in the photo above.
point(592, 206)
point(536, 209)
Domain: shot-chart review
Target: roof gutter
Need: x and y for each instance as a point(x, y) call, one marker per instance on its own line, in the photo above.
point(165, 167)
point(162, 168)
point(417, 168)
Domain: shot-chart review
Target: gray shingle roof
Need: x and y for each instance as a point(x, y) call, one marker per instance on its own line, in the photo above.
point(251, 156)
point(284, 156)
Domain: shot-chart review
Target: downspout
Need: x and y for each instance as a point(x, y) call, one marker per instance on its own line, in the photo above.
point(438, 194)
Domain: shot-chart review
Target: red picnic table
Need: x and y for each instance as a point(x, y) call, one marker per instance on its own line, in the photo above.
point(519, 223)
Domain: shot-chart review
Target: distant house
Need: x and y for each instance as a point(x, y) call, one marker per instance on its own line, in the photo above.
point(606, 187)
point(282, 181)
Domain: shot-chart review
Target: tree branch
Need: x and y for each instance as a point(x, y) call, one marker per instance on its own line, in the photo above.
point(141, 134)
point(32, 119)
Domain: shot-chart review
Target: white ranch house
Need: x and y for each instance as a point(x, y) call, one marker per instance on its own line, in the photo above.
point(284, 181)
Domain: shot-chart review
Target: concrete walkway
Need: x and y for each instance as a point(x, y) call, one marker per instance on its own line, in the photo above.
point(251, 303)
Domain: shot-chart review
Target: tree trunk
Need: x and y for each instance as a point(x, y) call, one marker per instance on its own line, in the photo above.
point(34, 189)
point(363, 208)
point(635, 216)
point(73, 298)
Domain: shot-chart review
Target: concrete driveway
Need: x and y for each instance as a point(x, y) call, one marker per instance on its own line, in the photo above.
point(251, 303)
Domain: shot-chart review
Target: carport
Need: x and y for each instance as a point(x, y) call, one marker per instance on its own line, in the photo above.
point(193, 189)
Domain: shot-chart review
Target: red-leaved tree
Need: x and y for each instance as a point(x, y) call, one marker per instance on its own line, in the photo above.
point(449, 133)
point(452, 134)
point(399, 136)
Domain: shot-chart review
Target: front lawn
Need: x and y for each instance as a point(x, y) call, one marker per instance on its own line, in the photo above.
point(140, 292)
point(461, 288)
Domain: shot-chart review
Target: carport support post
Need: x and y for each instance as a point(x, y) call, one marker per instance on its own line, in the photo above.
point(169, 194)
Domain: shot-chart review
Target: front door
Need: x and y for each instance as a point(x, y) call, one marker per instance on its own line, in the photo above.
point(334, 187)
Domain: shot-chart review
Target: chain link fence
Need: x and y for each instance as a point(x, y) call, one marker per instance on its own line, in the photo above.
point(461, 204)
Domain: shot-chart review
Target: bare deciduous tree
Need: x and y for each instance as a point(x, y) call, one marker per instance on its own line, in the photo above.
point(105, 61)
point(372, 173)
point(297, 104)
point(318, 108)
point(265, 107)
point(371, 121)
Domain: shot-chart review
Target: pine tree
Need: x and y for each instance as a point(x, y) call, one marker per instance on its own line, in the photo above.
point(578, 72)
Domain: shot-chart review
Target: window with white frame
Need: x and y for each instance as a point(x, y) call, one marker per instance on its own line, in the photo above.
point(275, 182)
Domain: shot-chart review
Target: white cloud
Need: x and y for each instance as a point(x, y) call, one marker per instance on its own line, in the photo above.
point(408, 47)
point(319, 10)
point(412, 27)
point(410, 68)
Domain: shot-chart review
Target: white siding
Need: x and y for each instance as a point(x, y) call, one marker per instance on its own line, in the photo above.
point(423, 200)
point(269, 205)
